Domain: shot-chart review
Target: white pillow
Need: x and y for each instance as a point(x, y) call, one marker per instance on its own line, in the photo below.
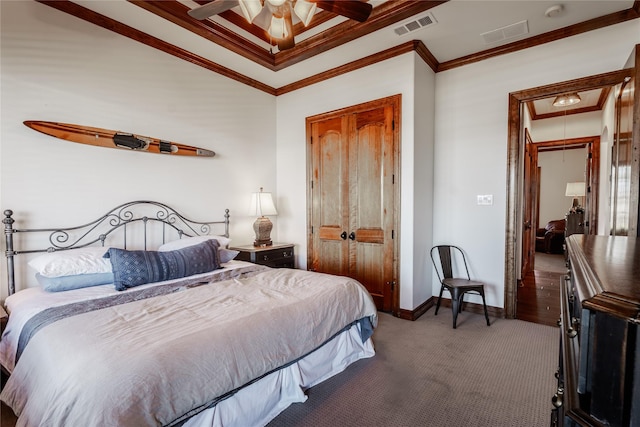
point(190, 241)
point(72, 262)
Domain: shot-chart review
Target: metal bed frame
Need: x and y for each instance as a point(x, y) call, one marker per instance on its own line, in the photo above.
point(119, 218)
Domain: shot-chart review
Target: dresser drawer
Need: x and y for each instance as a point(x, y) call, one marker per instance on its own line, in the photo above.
point(279, 255)
point(276, 255)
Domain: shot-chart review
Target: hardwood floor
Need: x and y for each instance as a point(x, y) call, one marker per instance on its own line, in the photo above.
point(539, 291)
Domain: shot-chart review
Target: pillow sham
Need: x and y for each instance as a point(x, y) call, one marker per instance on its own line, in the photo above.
point(227, 255)
point(72, 262)
point(190, 241)
point(135, 268)
point(67, 283)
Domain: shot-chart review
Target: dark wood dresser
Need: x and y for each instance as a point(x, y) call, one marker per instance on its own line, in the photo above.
point(599, 365)
point(574, 223)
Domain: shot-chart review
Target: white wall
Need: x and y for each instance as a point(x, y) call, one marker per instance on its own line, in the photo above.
point(424, 132)
point(471, 136)
point(560, 167)
point(60, 68)
point(556, 169)
point(573, 126)
point(606, 142)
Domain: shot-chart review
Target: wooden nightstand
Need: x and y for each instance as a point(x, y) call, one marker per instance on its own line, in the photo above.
point(277, 255)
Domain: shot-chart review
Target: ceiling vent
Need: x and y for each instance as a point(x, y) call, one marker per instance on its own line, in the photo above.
point(504, 33)
point(415, 25)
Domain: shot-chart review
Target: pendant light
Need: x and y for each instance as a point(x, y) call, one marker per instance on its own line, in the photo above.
point(567, 100)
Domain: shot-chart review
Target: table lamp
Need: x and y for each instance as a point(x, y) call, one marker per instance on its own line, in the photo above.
point(261, 205)
point(575, 190)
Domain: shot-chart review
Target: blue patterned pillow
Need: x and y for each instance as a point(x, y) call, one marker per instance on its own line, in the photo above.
point(135, 268)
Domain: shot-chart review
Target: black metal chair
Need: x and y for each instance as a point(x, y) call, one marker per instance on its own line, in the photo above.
point(457, 287)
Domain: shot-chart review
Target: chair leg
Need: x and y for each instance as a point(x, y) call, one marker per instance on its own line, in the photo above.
point(439, 299)
point(484, 303)
point(456, 298)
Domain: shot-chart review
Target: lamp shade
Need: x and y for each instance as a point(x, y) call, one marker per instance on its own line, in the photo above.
point(566, 100)
point(278, 28)
point(250, 9)
point(575, 189)
point(305, 11)
point(262, 204)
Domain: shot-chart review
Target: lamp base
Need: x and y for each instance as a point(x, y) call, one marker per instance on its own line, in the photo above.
point(262, 228)
point(576, 206)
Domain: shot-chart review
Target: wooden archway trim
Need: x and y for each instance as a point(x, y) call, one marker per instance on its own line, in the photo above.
point(514, 159)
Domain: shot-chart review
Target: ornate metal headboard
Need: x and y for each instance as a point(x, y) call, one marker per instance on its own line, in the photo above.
point(96, 232)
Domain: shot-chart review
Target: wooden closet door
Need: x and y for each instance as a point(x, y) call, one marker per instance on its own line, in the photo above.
point(371, 178)
point(330, 203)
point(352, 195)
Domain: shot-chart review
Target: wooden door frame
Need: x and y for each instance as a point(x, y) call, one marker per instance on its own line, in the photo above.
point(514, 178)
point(593, 184)
point(531, 201)
point(396, 102)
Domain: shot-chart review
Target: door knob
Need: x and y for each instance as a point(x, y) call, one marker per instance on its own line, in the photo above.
point(344, 235)
point(352, 236)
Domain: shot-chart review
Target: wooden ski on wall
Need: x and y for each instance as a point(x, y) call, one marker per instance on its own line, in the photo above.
point(115, 139)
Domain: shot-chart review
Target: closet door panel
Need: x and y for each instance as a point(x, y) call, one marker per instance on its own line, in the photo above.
point(331, 208)
point(371, 195)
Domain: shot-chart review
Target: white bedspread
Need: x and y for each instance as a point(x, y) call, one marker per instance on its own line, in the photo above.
point(151, 362)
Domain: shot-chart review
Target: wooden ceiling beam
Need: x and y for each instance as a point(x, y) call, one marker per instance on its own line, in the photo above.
point(386, 14)
point(176, 12)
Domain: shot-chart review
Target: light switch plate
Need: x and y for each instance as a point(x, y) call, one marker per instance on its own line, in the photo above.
point(485, 199)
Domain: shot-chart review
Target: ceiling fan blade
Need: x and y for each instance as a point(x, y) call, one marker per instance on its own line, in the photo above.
point(213, 8)
point(352, 9)
point(287, 42)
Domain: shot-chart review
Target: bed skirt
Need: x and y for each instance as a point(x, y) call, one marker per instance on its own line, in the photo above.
point(262, 401)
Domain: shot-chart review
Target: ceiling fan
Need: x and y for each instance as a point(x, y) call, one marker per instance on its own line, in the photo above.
point(276, 15)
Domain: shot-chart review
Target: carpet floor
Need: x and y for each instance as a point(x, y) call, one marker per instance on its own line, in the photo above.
point(425, 373)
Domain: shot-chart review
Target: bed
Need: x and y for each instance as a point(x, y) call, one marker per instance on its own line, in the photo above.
point(115, 333)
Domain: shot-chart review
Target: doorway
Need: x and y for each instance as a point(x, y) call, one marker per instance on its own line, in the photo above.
point(514, 226)
point(549, 166)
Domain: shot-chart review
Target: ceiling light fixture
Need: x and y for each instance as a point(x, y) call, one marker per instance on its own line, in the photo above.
point(278, 8)
point(567, 100)
point(276, 16)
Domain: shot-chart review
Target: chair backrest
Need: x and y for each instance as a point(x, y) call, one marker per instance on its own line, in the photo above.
point(446, 255)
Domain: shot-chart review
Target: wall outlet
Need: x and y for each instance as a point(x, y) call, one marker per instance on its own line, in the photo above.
point(485, 199)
